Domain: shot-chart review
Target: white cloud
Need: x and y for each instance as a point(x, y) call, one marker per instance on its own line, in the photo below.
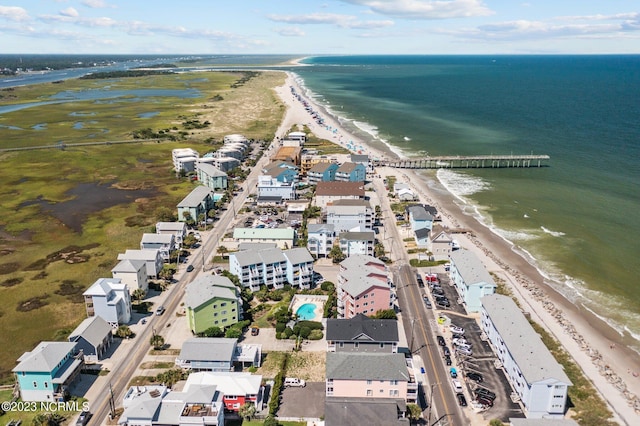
point(70, 11)
point(97, 4)
point(14, 13)
point(592, 26)
point(426, 9)
point(342, 21)
point(290, 32)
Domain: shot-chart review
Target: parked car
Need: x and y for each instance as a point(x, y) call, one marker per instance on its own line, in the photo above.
point(294, 382)
point(484, 393)
point(189, 268)
point(443, 303)
point(476, 377)
point(437, 290)
point(462, 401)
point(484, 401)
point(255, 331)
point(420, 282)
point(83, 419)
point(457, 386)
point(441, 341)
point(447, 360)
point(446, 351)
point(460, 341)
point(463, 346)
point(457, 336)
point(427, 302)
point(464, 351)
point(453, 372)
point(456, 329)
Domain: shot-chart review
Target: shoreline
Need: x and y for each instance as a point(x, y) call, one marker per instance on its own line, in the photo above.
point(589, 340)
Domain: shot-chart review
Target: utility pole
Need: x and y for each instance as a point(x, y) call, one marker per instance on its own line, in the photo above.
point(112, 403)
point(431, 402)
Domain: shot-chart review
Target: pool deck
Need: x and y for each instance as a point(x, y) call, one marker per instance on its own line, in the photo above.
point(317, 300)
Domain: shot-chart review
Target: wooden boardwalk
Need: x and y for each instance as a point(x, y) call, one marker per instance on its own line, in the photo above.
point(467, 162)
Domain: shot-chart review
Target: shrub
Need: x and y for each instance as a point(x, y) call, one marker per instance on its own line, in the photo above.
point(327, 286)
point(316, 335)
point(280, 327)
point(313, 325)
point(304, 332)
point(288, 332)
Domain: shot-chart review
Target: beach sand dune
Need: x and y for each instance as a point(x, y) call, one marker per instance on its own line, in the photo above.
point(611, 367)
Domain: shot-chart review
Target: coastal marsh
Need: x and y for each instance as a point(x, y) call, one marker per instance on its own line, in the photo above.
point(32, 239)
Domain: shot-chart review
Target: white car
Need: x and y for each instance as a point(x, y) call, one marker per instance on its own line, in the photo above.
point(456, 329)
point(460, 342)
point(465, 346)
point(457, 386)
point(464, 351)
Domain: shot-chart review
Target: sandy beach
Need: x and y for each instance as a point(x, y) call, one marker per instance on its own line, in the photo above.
point(594, 346)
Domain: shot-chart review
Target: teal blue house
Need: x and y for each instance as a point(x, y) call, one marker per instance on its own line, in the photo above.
point(351, 172)
point(46, 373)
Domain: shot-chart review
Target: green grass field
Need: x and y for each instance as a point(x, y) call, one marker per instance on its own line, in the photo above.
point(40, 289)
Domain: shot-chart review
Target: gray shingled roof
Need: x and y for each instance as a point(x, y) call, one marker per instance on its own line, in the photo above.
point(298, 255)
point(524, 344)
point(320, 167)
point(45, 357)
point(128, 265)
point(358, 236)
point(364, 411)
point(470, 267)
point(419, 213)
point(93, 330)
point(320, 227)
point(360, 259)
point(208, 349)
point(347, 167)
point(422, 233)
point(150, 238)
point(359, 280)
point(206, 287)
point(196, 196)
point(362, 327)
point(366, 366)
point(211, 170)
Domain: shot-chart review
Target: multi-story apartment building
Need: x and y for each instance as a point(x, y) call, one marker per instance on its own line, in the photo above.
point(350, 215)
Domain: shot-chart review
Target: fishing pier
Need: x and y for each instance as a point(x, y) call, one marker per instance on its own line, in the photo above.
point(467, 162)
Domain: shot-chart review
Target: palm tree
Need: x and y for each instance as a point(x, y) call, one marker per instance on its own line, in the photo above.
point(124, 332)
point(247, 411)
point(138, 294)
point(157, 341)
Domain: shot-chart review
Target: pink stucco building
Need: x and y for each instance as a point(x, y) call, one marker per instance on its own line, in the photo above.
point(363, 286)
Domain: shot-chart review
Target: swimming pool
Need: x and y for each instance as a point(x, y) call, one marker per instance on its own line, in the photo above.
point(305, 312)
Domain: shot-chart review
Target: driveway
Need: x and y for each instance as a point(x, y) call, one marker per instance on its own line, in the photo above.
point(306, 402)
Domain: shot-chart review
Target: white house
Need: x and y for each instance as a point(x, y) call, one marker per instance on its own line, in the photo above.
point(320, 238)
point(299, 267)
point(109, 298)
point(470, 278)
point(152, 258)
point(164, 243)
point(352, 243)
point(441, 246)
point(535, 375)
point(133, 273)
point(350, 215)
point(270, 187)
point(178, 229)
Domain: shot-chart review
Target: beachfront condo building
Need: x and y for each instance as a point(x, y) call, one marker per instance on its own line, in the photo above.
point(470, 278)
point(535, 375)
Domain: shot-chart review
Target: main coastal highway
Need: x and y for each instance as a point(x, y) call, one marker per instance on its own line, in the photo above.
point(420, 324)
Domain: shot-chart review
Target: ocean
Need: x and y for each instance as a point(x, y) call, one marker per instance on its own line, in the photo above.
point(576, 220)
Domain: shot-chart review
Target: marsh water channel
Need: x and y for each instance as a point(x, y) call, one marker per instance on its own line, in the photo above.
point(86, 199)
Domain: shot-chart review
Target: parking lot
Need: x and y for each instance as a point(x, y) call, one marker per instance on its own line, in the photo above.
point(481, 361)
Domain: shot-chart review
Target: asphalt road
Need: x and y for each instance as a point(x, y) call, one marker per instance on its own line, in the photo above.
point(419, 324)
point(124, 370)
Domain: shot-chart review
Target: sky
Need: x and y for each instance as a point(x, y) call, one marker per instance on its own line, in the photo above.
point(303, 27)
